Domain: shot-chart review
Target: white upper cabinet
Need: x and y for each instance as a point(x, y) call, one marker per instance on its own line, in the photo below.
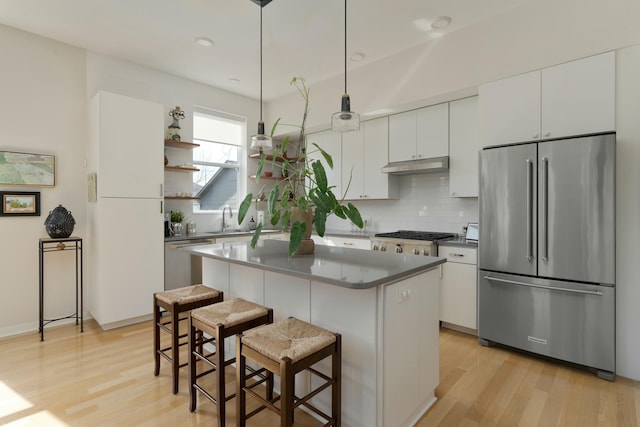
point(128, 141)
point(579, 97)
point(510, 109)
point(463, 147)
point(364, 153)
point(331, 143)
point(419, 134)
point(574, 98)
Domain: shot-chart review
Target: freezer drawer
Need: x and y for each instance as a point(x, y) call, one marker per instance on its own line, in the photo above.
point(569, 321)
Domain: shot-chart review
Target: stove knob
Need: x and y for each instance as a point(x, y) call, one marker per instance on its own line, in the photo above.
point(375, 247)
point(399, 248)
point(416, 251)
point(383, 249)
point(425, 252)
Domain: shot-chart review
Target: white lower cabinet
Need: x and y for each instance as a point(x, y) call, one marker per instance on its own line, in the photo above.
point(458, 286)
point(345, 242)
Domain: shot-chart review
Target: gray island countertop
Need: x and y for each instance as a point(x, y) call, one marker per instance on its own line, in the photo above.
point(349, 268)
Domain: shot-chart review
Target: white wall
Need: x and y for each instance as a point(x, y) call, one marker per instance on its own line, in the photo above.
point(42, 87)
point(628, 211)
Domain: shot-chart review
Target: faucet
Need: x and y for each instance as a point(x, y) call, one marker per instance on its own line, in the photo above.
point(224, 225)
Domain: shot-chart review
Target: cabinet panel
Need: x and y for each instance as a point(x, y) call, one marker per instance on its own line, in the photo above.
point(579, 97)
point(377, 185)
point(458, 289)
point(402, 136)
point(127, 270)
point(352, 164)
point(131, 157)
point(510, 110)
point(463, 148)
point(432, 139)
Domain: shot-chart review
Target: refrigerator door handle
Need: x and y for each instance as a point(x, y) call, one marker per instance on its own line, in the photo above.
point(552, 288)
point(529, 209)
point(545, 209)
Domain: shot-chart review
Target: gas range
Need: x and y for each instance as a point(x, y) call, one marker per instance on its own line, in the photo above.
point(409, 242)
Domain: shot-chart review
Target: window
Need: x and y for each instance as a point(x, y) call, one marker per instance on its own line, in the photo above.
point(221, 139)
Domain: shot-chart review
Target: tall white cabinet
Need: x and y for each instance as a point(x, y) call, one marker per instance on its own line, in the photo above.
point(125, 222)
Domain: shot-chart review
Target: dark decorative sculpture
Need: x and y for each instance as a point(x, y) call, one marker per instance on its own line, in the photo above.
point(59, 223)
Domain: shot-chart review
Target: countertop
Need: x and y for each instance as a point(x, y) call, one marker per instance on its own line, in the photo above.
point(213, 235)
point(349, 268)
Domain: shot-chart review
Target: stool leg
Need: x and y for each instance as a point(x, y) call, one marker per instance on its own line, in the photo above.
point(336, 389)
point(241, 398)
point(287, 390)
point(219, 360)
point(175, 349)
point(193, 336)
point(156, 337)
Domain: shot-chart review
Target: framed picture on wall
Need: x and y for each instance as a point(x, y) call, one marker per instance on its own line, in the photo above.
point(20, 203)
point(27, 169)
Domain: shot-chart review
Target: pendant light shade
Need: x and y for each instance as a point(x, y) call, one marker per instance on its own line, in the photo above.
point(260, 141)
point(345, 120)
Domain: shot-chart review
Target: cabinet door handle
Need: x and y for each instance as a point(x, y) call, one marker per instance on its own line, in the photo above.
point(548, 134)
point(535, 136)
point(454, 254)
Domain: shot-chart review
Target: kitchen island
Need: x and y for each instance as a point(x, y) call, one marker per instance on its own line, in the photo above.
point(386, 306)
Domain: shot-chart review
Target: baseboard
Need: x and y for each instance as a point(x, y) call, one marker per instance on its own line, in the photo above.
point(459, 328)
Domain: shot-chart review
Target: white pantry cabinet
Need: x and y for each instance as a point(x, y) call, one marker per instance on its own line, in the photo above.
point(419, 134)
point(458, 290)
point(364, 153)
point(573, 98)
point(125, 223)
point(463, 147)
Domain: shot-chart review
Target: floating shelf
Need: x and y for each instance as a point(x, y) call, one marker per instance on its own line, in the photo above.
point(271, 158)
point(181, 169)
point(273, 178)
point(180, 144)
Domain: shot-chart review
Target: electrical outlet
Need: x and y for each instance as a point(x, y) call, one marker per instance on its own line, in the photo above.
point(404, 293)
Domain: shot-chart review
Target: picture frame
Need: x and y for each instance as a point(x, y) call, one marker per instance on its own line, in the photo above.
point(18, 168)
point(20, 203)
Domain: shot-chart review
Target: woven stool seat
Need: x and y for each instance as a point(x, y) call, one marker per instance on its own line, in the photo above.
point(285, 348)
point(211, 325)
point(175, 302)
point(229, 313)
point(290, 338)
point(187, 295)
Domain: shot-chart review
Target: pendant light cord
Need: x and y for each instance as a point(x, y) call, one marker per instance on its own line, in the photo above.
point(345, 46)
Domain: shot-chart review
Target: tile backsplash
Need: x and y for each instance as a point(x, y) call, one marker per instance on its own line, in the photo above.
point(424, 204)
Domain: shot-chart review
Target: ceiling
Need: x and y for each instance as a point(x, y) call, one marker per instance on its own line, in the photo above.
point(300, 37)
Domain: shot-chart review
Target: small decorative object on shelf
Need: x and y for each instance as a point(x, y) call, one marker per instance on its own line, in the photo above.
point(59, 223)
point(174, 128)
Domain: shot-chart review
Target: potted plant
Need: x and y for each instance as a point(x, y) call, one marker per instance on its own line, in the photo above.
point(304, 199)
point(177, 217)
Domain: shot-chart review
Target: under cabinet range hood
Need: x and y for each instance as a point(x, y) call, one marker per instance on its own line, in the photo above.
point(408, 167)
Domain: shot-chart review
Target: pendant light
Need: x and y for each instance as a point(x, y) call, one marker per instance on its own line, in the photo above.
point(345, 120)
point(260, 141)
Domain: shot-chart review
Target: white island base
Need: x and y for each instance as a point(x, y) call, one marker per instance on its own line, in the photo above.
point(390, 365)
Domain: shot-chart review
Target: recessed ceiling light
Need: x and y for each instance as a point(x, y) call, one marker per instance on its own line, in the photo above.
point(204, 42)
point(357, 56)
point(440, 22)
point(234, 80)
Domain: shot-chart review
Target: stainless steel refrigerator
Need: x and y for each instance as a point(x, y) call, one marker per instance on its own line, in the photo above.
point(547, 249)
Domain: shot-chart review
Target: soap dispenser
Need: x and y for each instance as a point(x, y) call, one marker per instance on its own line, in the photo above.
point(252, 224)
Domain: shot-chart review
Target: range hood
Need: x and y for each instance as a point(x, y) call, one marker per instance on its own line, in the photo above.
point(408, 167)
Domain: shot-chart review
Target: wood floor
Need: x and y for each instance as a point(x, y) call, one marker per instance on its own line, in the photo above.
point(100, 378)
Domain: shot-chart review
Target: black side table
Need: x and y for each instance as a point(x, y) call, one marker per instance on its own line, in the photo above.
point(56, 245)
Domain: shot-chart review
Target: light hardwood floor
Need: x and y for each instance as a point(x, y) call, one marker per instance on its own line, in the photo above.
point(100, 378)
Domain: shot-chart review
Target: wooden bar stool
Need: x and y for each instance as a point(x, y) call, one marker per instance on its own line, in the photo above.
point(285, 348)
point(218, 322)
point(175, 302)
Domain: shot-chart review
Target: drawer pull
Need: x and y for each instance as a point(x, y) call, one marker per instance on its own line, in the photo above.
point(453, 254)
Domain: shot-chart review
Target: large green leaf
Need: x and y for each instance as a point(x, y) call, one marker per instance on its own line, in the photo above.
point(339, 211)
point(354, 215)
point(326, 155)
point(273, 197)
point(320, 221)
point(275, 125)
point(244, 207)
point(256, 235)
point(295, 236)
point(275, 217)
point(263, 159)
point(320, 175)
